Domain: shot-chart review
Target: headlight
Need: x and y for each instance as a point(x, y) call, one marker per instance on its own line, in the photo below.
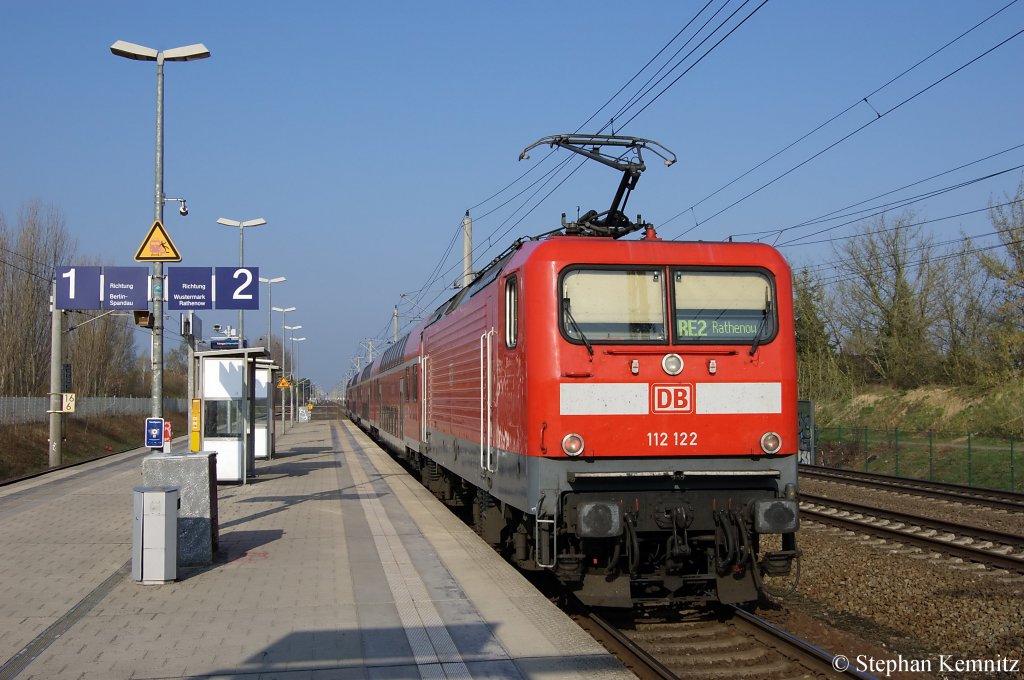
point(572, 444)
point(771, 442)
point(672, 364)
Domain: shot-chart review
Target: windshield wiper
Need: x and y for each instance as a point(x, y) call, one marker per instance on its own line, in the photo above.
point(760, 328)
point(576, 326)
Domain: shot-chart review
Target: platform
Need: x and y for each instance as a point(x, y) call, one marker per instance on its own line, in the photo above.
point(333, 563)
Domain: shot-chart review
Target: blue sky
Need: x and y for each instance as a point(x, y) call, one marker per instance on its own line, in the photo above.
point(362, 132)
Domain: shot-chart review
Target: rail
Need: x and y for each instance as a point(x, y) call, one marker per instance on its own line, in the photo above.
point(995, 498)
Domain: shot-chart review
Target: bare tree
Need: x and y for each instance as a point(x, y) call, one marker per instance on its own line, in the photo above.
point(101, 350)
point(1008, 269)
point(964, 333)
point(819, 370)
point(887, 303)
point(29, 255)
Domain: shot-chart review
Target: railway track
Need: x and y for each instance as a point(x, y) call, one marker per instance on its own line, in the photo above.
point(729, 643)
point(959, 493)
point(992, 548)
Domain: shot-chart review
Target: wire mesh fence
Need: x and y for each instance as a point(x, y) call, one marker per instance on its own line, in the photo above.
point(19, 410)
point(969, 459)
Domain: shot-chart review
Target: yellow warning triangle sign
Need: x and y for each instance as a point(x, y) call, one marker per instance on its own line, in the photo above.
point(157, 246)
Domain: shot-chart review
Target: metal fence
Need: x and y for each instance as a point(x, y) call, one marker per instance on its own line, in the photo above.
point(16, 410)
point(959, 458)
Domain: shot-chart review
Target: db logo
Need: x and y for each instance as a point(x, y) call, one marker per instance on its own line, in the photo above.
point(672, 398)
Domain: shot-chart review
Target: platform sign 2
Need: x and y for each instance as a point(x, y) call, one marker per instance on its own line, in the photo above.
point(126, 287)
point(78, 287)
point(237, 287)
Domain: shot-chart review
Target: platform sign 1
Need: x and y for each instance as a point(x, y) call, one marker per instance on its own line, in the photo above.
point(154, 433)
point(126, 287)
point(189, 288)
point(237, 287)
point(78, 287)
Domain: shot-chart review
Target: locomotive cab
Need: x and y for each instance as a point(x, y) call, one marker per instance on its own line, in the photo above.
point(674, 429)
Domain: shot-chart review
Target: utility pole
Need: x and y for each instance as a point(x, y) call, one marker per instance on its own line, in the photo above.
point(467, 250)
point(394, 319)
point(56, 399)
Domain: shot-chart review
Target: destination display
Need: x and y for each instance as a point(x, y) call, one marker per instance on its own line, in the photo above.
point(189, 288)
point(722, 326)
point(125, 287)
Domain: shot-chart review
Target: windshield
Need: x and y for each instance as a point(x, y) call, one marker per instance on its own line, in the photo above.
point(614, 305)
point(723, 307)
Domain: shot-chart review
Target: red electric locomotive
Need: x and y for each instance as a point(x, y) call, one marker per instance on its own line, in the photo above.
point(620, 412)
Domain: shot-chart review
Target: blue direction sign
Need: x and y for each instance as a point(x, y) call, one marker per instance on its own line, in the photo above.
point(154, 433)
point(189, 288)
point(78, 287)
point(238, 287)
point(126, 287)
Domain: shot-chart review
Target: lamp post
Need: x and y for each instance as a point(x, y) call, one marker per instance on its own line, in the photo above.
point(296, 370)
point(292, 352)
point(140, 53)
point(270, 348)
point(270, 309)
point(284, 317)
point(258, 222)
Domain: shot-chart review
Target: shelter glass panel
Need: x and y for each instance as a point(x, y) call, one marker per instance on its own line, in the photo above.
point(222, 418)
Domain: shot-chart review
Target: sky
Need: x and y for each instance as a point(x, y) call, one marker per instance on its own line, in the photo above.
point(362, 132)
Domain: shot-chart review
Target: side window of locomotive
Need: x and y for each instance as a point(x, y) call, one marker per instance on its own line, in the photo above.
point(725, 308)
point(613, 305)
point(511, 312)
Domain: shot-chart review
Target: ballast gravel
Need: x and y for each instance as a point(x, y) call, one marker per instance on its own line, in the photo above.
point(917, 606)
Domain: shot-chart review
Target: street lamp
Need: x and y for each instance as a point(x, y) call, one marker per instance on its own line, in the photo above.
point(295, 383)
point(293, 328)
point(138, 52)
point(270, 310)
point(258, 222)
point(284, 317)
point(293, 367)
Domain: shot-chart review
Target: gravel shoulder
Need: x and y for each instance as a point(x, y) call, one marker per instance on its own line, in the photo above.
point(862, 595)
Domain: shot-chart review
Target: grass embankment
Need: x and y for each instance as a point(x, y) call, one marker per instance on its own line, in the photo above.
point(930, 433)
point(24, 448)
point(994, 412)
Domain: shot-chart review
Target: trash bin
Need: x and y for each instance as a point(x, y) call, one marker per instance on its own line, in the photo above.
point(155, 534)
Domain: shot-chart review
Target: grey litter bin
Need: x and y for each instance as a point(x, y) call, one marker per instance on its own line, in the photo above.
point(155, 534)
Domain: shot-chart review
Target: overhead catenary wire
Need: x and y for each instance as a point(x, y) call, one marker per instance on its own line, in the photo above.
point(889, 207)
point(831, 215)
point(848, 108)
point(839, 141)
point(491, 239)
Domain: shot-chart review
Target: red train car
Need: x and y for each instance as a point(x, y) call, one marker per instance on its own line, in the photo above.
point(619, 412)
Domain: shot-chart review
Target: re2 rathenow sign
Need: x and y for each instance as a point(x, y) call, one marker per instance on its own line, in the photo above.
point(128, 288)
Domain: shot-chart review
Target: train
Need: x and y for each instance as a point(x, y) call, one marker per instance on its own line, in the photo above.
point(618, 412)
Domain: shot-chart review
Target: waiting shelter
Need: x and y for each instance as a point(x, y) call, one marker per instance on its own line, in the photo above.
point(230, 399)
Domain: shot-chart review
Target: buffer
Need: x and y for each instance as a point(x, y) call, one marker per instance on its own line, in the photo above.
point(157, 246)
